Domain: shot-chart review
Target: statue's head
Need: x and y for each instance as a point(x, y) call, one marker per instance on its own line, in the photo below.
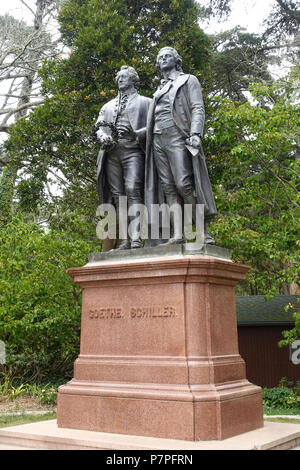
point(127, 77)
point(174, 58)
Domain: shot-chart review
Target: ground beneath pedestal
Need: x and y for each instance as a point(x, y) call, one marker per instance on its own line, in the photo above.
point(24, 404)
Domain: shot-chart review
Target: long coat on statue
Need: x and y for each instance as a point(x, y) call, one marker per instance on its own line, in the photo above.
point(188, 113)
point(137, 109)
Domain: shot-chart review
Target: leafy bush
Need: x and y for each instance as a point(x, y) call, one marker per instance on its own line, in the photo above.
point(48, 396)
point(278, 397)
point(45, 393)
point(40, 307)
point(286, 395)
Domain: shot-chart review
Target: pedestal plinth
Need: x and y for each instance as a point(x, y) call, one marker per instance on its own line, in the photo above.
point(159, 351)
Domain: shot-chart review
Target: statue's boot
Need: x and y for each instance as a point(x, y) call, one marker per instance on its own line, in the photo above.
point(125, 245)
point(175, 221)
point(136, 243)
point(208, 239)
point(134, 222)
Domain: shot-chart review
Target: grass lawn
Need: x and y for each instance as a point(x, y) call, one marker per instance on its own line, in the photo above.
point(283, 420)
point(281, 411)
point(15, 420)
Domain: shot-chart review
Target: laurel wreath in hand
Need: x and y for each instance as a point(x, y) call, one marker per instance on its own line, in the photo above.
point(114, 132)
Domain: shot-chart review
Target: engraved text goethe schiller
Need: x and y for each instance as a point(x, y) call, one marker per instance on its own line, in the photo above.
point(166, 311)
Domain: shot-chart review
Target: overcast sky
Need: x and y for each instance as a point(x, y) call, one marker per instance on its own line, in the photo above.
point(247, 13)
point(17, 9)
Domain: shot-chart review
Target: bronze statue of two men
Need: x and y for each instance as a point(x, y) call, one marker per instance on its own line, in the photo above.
point(151, 149)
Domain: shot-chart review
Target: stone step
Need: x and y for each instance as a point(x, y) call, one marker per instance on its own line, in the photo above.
point(46, 435)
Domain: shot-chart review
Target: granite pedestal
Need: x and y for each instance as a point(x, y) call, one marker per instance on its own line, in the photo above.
point(159, 351)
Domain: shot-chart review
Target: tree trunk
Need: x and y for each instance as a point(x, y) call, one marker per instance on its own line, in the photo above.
point(9, 175)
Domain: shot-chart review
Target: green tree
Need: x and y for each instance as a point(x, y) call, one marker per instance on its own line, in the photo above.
point(102, 36)
point(22, 50)
point(289, 336)
point(40, 307)
point(253, 153)
point(239, 59)
point(284, 20)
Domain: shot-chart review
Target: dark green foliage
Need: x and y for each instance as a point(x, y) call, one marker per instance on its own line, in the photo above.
point(219, 8)
point(7, 179)
point(240, 58)
point(39, 304)
point(279, 398)
point(286, 396)
point(252, 156)
point(30, 192)
point(46, 393)
point(284, 20)
point(289, 336)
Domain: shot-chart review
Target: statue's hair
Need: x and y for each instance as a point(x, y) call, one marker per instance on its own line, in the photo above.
point(132, 73)
point(175, 54)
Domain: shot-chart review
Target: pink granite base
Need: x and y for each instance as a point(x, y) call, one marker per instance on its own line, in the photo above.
point(159, 351)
